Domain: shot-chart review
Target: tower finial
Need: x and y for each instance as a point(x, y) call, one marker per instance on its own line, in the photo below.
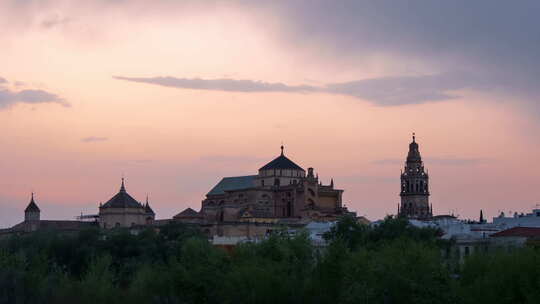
point(413, 136)
point(123, 187)
point(282, 148)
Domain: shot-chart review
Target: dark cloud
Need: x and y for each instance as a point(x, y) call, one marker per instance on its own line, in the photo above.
point(94, 139)
point(498, 40)
point(9, 98)
point(391, 91)
point(387, 91)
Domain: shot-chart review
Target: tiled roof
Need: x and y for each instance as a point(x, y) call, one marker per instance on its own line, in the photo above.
point(32, 207)
point(122, 200)
point(233, 183)
point(519, 231)
point(188, 212)
point(54, 225)
point(281, 162)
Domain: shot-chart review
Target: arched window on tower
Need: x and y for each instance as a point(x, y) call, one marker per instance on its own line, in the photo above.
point(276, 182)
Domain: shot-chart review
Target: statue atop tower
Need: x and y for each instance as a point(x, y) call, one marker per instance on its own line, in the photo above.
point(414, 186)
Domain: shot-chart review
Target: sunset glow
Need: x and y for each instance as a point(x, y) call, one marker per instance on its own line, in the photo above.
point(82, 104)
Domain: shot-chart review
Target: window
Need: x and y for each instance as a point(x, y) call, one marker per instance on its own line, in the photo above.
point(467, 250)
point(289, 209)
point(276, 182)
point(262, 183)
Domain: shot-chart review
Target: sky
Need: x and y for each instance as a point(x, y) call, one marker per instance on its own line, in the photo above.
point(175, 95)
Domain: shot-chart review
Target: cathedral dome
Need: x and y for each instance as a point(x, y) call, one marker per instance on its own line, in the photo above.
point(122, 200)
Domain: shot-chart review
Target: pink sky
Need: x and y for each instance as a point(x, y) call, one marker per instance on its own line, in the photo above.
point(71, 129)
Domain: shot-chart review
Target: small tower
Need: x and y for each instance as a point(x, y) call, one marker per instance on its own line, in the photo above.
point(414, 186)
point(32, 212)
point(149, 213)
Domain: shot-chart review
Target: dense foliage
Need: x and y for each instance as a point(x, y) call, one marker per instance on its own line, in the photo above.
point(391, 263)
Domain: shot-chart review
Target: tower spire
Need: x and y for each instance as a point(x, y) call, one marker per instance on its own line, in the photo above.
point(481, 217)
point(282, 149)
point(122, 187)
point(413, 136)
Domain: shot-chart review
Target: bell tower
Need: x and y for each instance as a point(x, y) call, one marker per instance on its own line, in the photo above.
point(414, 186)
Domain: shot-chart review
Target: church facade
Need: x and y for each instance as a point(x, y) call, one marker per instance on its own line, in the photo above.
point(281, 190)
point(414, 186)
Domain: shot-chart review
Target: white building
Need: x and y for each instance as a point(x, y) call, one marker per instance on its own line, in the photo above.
point(518, 220)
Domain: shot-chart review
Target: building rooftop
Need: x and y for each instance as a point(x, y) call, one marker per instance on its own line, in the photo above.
point(281, 162)
point(233, 183)
point(519, 231)
point(32, 207)
point(122, 200)
point(188, 213)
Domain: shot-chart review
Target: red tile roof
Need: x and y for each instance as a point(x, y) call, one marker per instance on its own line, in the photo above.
point(519, 231)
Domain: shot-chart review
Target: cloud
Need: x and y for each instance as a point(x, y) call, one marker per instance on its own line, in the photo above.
point(366, 179)
point(9, 98)
point(388, 161)
point(444, 161)
point(498, 40)
point(54, 20)
point(401, 90)
point(223, 84)
point(3, 80)
point(455, 161)
point(94, 139)
point(386, 91)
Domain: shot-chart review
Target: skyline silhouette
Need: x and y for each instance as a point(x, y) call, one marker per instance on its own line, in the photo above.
point(177, 94)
